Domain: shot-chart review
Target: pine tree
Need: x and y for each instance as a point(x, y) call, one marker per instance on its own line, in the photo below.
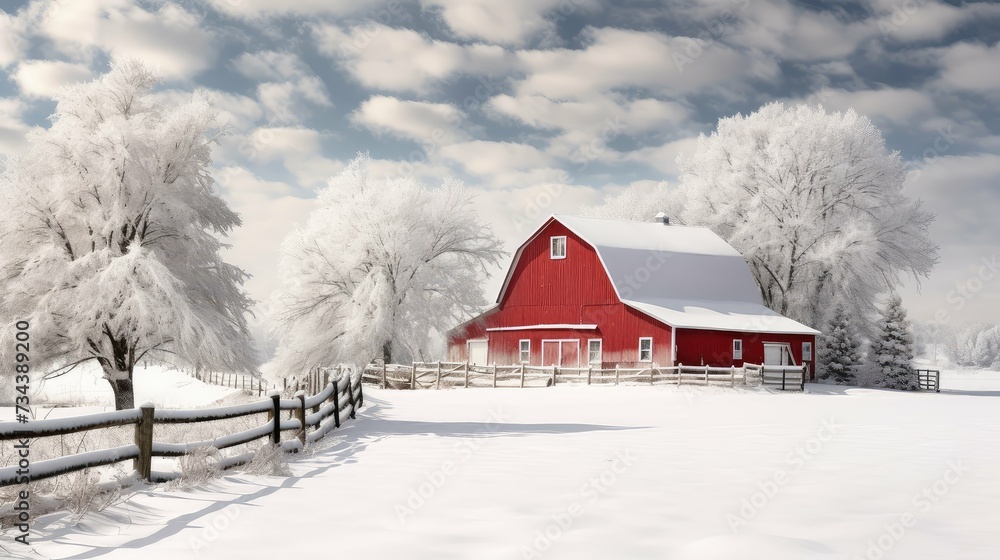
point(893, 350)
point(839, 350)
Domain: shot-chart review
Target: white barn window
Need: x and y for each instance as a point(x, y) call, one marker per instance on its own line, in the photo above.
point(737, 349)
point(646, 349)
point(557, 247)
point(525, 351)
point(594, 352)
point(807, 351)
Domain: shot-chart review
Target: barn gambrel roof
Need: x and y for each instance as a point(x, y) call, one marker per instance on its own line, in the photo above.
point(683, 276)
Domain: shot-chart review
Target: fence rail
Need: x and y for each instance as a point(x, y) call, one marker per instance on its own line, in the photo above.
point(340, 395)
point(440, 375)
point(929, 380)
point(251, 383)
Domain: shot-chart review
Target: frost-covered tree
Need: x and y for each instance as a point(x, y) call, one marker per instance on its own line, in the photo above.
point(379, 268)
point(839, 349)
point(892, 352)
point(976, 345)
point(111, 237)
point(813, 200)
point(636, 203)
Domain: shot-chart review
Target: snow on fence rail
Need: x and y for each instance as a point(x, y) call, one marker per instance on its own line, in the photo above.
point(340, 395)
point(437, 375)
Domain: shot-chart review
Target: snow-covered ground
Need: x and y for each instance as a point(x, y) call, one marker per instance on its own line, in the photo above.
point(599, 472)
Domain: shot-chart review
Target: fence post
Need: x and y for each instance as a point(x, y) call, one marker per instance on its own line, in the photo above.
point(384, 384)
point(680, 367)
point(361, 394)
point(336, 403)
point(782, 378)
point(553, 376)
point(494, 375)
point(937, 381)
point(522, 376)
point(732, 376)
point(466, 374)
point(802, 384)
point(652, 371)
point(300, 413)
point(616, 374)
point(276, 416)
point(350, 394)
point(438, 382)
point(413, 376)
point(590, 371)
point(144, 440)
point(706, 376)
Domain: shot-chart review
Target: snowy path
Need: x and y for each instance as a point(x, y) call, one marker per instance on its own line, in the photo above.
point(599, 472)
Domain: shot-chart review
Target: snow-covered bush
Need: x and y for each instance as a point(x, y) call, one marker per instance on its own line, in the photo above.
point(839, 350)
point(892, 352)
point(269, 460)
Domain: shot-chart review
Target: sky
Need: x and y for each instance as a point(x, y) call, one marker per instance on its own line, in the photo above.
point(540, 106)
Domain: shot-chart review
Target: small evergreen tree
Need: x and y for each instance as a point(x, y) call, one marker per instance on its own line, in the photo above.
point(839, 350)
point(893, 350)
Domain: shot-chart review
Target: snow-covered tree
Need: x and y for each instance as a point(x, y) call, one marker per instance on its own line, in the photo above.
point(380, 268)
point(976, 345)
point(839, 349)
point(636, 203)
point(111, 237)
point(892, 352)
point(813, 201)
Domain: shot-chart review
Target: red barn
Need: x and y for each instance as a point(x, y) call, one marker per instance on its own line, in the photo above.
point(603, 292)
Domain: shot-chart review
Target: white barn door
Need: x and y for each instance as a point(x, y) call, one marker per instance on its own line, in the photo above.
point(778, 355)
point(478, 352)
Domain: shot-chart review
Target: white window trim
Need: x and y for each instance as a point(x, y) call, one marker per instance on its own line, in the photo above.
point(808, 345)
point(552, 253)
point(738, 352)
point(520, 352)
point(600, 342)
point(650, 339)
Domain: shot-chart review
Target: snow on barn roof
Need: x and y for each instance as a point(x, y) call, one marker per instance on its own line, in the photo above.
point(684, 276)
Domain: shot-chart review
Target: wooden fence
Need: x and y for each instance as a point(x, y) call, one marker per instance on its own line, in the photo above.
point(439, 375)
point(929, 380)
point(234, 380)
point(322, 411)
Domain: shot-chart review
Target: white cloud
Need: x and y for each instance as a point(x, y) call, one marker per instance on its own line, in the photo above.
point(664, 157)
point(895, 105)
point(618, 59)
point(269, 212)
point(431, 124)
point(12, 41)
point(791, 32)
point(254, 9)
point(590, 115)
point(511, 22)
point(43, 78)
point(299, 150)
point(971, 67)
point(287, 83)
point(404, 60)
point(930, 20)
point(484, 157)
point(171, 40)
point(237, 111)
point(12, 128)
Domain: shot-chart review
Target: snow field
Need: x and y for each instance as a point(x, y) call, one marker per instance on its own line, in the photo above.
point(599, 472)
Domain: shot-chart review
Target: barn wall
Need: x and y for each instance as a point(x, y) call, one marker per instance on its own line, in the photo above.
point(715, 348)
